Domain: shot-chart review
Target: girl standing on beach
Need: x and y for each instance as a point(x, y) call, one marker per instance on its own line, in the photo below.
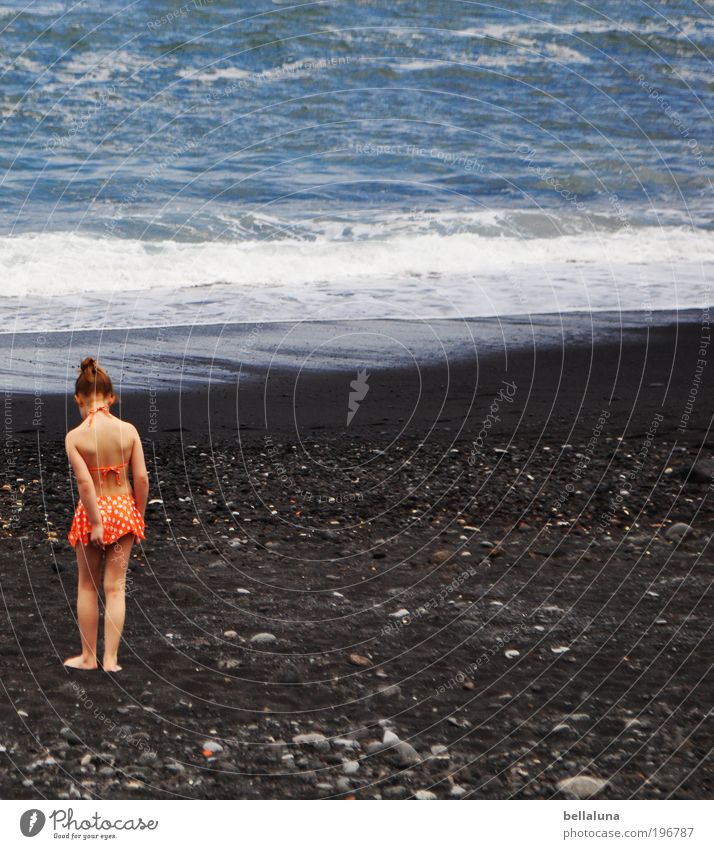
point(109, 517)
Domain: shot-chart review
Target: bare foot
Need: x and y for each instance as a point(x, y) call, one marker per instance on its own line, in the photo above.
point(80, 662)
point(111, 666)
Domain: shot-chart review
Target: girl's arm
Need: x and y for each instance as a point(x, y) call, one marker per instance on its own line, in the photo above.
point(85, 485)
point(139, 475)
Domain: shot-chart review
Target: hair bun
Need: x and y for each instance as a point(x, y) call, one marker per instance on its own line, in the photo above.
point(88, 364)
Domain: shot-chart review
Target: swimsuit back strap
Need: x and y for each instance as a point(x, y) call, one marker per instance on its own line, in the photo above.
point(105, 470)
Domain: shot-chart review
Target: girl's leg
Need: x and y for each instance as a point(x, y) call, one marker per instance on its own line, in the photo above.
point(115, 566)
point(88, 560)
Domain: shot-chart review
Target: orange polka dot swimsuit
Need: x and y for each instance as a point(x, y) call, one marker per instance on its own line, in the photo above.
point(119, 513)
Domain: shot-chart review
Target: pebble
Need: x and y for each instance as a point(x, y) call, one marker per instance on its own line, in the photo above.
point(242, 591)
point(581, 786)
point(511, 653)
point(359, 660)
point(400, 614)
point(405, 754)
point(343, 785)
point(457, 791)
point(70, 736)
point(263, 639)
point(345, 743)
point(350, 767)
point(439, 556)
point(560, 649)
point(678, 531)
point(578, 717)
point(230, 634)
point(425, 795)
point(395, 792)
point(211, 748)
point(390, 738)
point(313, 738)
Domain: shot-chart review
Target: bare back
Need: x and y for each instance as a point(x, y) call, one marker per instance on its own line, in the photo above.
point(106, 442)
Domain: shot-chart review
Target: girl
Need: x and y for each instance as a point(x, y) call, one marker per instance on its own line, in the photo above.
point(109, 516)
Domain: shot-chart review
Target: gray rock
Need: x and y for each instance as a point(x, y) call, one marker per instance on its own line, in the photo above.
point(678, 531)
point(350, 767)
point(343, 785)
point(263, 639)
point(211, 746)
point(405, 754)
point(313, 739)
point(581, 786)
point(390, 738)
point(457, 791)
point(70, 736)
point(395, 792)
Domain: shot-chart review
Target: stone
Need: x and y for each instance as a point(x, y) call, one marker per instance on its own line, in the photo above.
point(424, 795)
point(359, 660)
point(70, 736)
point(441, 555)
point(457, 791)
point(263, 639)
point(405, 754)
point(230, 634)
point(511, 654)
point(678, 532)
point(350, 767)
point(581, 786)
point(396, 791)
point(211, 748)
point(400, 614)
point(314, 739)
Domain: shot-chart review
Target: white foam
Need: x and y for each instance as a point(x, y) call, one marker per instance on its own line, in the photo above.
point(65, 263)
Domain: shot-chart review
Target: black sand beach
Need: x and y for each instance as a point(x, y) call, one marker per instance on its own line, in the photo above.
point(504, 560)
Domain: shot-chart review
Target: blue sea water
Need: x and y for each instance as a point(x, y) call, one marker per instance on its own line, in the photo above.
point(168, 162)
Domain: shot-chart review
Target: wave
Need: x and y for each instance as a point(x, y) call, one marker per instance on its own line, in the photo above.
point(54, 264)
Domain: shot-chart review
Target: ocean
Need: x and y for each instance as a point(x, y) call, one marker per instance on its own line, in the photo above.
point(168, 164)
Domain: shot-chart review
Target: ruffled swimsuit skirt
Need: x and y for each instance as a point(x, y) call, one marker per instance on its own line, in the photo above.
point(119, 517)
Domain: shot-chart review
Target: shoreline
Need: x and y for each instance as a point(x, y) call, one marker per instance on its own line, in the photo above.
point(298, 379)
